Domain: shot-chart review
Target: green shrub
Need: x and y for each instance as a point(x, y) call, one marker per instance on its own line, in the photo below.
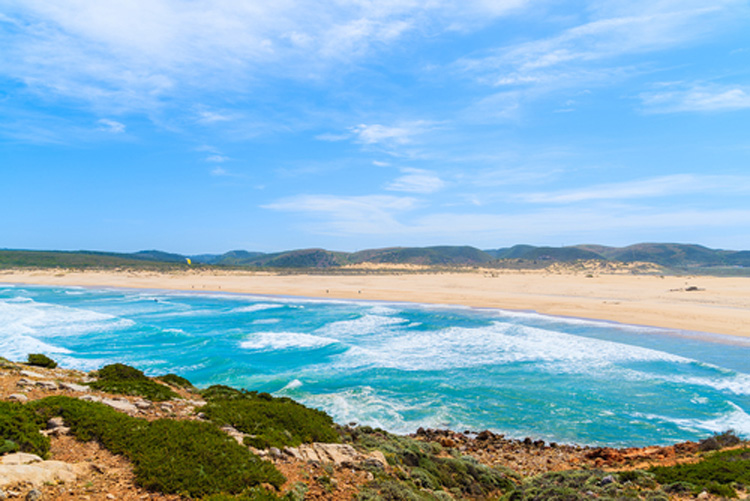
point(253, 494)
point(19, 430)
point(183, 457)
point(573, 485)
point(122, 379)
point(40, 360)
point(717, 473)
point(177, 381)
point(119, 372)
point(719, 441)
point(426, 469)
point(277, 422)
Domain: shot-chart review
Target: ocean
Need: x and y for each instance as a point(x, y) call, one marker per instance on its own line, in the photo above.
point(403, 366)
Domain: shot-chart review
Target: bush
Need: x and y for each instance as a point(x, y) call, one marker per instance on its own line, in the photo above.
point(461, 475)
point(19, 430)
point(177, 381)
point(182, 457)
point(573, 485)
point(719, 441)
point(125, 380)
point(39, 360)
point(717, 473)
point(276, 422)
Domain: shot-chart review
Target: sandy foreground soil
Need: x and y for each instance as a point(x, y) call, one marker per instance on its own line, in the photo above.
point(720, 305)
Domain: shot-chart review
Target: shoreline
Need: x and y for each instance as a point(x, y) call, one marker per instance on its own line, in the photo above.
point(695, 304)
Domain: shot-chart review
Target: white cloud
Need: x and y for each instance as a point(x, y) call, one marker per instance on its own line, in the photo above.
point(112, 126)
point(399, 134)
point(416, 181)
point(131, 55)
point(680, 184)
point(698, 98)
point(209, 117)
point(217, 159)
point(581, 53)
point(375, 215)
point(218, 171)
point(366, 214)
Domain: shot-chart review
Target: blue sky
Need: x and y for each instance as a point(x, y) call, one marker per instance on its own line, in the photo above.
point(211, 125)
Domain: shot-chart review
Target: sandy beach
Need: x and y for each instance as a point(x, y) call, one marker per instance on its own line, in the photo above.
point(719, 305)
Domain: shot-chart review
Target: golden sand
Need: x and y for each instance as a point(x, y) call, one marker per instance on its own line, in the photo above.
point(720, 305)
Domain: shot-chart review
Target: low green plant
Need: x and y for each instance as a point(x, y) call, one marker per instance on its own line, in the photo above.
point(177, 381)
point(717, 473)
point(270, 421)
point(574, 485)
point(19, 430)
point(125, 380)
point(253, 494)
point(40, 360)
point(426, 469)
point(719, 441)
point(190, 458)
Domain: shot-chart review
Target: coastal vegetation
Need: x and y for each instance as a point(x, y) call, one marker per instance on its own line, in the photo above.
point(125, 380)
point(268, 421)
point(191, 458)
point(197, 455)
point(41, 360)
point(674, 258)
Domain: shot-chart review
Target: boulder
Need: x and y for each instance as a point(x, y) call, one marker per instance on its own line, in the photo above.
point(32, 374)
point(47, 385)
point(337, 454)
point(121, 405)
point(19, 458)
point(74, 387)
point(38, 473)
point(18, 397)
point(90, 398)
point(23, 382)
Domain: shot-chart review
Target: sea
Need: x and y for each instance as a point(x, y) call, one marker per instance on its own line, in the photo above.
point(400, 366)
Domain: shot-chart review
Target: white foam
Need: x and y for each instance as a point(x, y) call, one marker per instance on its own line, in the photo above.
point(42, 320)
point(269, 341)
point(292, 385)
point(737, 420)
point(362, 326)
point(499, 343)
point(262, 321)
point(739, 384)
point(257, 307)
point(175, 331)
point(17, 347)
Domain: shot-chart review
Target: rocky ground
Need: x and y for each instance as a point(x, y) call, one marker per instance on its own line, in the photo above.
point(77, 470)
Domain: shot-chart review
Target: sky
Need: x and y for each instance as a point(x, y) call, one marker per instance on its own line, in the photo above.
point(201, 126)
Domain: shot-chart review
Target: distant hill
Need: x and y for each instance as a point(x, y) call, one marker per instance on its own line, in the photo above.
point(80, 260)
point(675, 256)
point(429, 256)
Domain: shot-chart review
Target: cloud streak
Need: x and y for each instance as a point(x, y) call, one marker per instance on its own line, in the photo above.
point(664, 186)
point(697, 98)
point(139, 53)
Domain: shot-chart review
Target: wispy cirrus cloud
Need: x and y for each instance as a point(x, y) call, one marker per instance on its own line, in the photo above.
point(134, 55)
point(398, 134)
point(663, 186)
point(593, 51)
point(676, 98)
point(113, 126)
point(368, 214)
point(416, 181)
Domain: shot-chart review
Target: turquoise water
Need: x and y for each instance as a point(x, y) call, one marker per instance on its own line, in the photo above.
point(399, 366)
